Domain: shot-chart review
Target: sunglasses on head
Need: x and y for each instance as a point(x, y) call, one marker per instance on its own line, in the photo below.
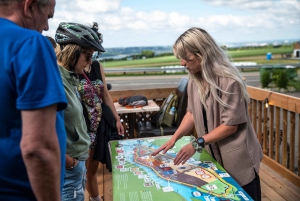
point(88, 55)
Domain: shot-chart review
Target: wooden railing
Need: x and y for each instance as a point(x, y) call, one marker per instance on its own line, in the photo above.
point(275, 123)
point(275, 118)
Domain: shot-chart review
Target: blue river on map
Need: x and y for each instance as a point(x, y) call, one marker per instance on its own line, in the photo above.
point(181, 189)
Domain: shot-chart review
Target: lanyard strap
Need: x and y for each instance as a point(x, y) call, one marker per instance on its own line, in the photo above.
point(204, 119)
point(89, 81)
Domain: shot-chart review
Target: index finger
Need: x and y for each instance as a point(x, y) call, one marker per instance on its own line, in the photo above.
point(157, 151)
point(167, 148)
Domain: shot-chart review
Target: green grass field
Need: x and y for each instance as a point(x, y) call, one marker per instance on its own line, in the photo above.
point(259, 52)
point(255, 55)
point(156, 61)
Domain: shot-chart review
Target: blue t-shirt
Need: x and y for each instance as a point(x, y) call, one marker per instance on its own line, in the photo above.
point(30, 79)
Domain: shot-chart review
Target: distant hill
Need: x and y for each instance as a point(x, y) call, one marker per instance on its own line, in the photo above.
point(123, 51)
point(261, 43)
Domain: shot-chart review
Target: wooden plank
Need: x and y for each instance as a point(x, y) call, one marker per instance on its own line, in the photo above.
point(254, 110)
point(271, 131)
point(298, 134)
point(259, 131)
point(292, 177)
point(250, 110)
point(292, 141)
point(264, 198)
point(269, 192)
point(277, 144)
point(107, 185)
point(265, 133)
point(151, 107)
point(280, 179)
point(100, 179)
point(284, 138)
point(276, 186)
point(277, 99)
point(149, 93)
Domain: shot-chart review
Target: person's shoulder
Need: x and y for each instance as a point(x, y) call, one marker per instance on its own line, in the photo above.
point(96, 63)
point(22, 37)
point(16, 32)
point(36, 36)
point(21, 32)
point(224, 82)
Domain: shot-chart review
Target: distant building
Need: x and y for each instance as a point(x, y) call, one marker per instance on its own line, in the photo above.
point(297, 45)
point(296, 53)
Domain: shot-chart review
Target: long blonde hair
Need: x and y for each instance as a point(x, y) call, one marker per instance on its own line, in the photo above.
point(214, 63)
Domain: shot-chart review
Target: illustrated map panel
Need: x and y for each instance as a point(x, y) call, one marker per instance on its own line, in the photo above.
point(138, 176)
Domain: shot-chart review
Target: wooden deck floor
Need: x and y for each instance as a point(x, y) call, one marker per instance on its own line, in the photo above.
point(273, 186)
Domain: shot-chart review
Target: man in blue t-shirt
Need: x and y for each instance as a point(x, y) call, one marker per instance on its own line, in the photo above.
point(32, 133)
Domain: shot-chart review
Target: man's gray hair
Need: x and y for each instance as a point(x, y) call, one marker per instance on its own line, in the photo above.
point(43, 2)
point(9, 2)
point(6, 2)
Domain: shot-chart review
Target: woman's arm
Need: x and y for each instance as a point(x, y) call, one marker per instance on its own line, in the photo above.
point(233, 115)
point(219, 133)
point(215, 135)
point(108, 101)
point(185, 126)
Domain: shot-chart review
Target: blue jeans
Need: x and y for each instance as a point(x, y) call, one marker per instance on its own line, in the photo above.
point(74, 185)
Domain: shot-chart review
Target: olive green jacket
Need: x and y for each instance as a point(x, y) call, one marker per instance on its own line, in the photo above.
point(78, 140)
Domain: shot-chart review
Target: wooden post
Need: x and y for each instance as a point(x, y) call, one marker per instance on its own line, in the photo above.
point(277, 143)
point(259, 132)
point(271, 132)
point(265, 133)
point(292, 141)
point(284, 139)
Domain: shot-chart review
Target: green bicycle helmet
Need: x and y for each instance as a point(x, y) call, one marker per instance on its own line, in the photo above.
point(74, 33)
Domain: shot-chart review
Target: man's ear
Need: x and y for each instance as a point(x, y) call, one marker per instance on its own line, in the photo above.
point(29, 7)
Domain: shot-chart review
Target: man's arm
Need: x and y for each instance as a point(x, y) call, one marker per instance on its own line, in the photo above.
point(41, 153)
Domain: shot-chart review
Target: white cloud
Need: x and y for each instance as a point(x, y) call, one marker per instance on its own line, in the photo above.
point(243, 4)
point(227, 21)
point(113, 20)
point(177, 20)
point(138, 25)
point(95, 6)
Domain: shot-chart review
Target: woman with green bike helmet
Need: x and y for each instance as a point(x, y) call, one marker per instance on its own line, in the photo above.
point(95, 97)
point(76, 45)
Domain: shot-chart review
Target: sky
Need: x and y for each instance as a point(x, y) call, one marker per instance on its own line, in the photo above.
point(131, 23)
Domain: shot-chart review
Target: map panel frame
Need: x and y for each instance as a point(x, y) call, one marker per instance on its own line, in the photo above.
point(138, 176)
